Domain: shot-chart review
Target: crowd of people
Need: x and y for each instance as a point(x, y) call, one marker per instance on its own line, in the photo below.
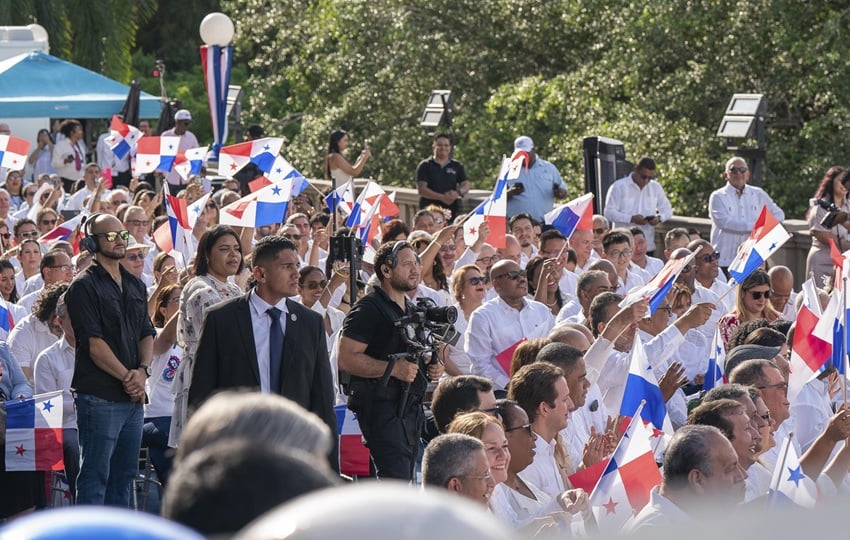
point(228, 367)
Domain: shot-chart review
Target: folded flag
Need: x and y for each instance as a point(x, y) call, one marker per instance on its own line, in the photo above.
point(156, 154)
point(714, 375)
point(627, 480)
point(659, 286)
point(576, 214)
point(34, 433)
point(189, 162)
point(261, 152)
point(766, 238)
point(789, 483)
point(122, 137)
point(13, 152)
point(353, 455)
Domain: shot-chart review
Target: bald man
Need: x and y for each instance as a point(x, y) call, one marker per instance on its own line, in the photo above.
point(782, 295)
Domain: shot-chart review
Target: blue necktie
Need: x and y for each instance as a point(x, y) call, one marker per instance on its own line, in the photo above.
point(275, 349)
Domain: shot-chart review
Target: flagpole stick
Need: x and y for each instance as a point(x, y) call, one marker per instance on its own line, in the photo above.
point(844, 340)
point(729, 290)
point(775, 486)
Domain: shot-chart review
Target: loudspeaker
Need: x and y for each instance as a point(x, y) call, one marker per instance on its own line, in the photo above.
point(89, 242)
point(604, 163)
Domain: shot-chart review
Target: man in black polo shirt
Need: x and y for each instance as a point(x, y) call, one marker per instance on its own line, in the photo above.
point(108, 309)
point(440, 179)
point(369, 336)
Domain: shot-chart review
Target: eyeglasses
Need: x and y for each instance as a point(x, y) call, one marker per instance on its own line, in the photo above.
point(6, 235)
point(212, 206)
point(29, 194)
point(711, 257)
point(111, 236)
point(138, 222)
point(757, 295)
point(492, 259)
point(486, 476)
point(600, 230)
point(439, 220)
point(614, 254)
point(647, 177)
point(448, 247)
point(135, 257)
point(668, 309)
point(512, 275)
point(295, 237)
point(526, 427)
point(28, 234)
point(738, 170)
point(477, 280)
point(51, 222)
point(313, 285)
point(780, 385)
point(63, 267)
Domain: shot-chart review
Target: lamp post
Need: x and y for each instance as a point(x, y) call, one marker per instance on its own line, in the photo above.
point(216, 58)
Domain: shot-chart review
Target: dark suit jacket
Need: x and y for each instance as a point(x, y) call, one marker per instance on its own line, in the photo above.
point(227, 358)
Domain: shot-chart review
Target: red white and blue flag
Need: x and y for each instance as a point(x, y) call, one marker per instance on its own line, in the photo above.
point(7, 320)
point(13, 153)
point(156, 154)
point(261, 152)
point(189, 162)
point(494, 209)
point(353, 455)
point(642, 387)
point(623, 489)
point(342, 198)
point(216, 62)
point(122, 137)
point(766, 238)
point(576, 214)
point(62, 231)
point(34, 433)
point(789, 484)
point(659, 286)
point(715, 374)
point(265, 206)
point(181, 221)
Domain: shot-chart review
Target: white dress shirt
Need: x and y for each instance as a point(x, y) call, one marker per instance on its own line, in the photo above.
point(516, 509)
point(28, 338)
point(261, 324)
point(733, 217)
point(653, 266)
point(570, 310)
point(626, 199)
point(633, 279)
point(757, 482)
point(544, 472)
point(659, 512)
point(568, 285)
point(495, 326)
point(54, 369)
point(811, 412)
point(577, 432)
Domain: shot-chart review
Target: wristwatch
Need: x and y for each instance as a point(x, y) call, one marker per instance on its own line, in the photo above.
point(147, 369)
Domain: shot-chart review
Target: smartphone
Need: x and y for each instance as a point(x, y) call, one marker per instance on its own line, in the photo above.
point(366, 144)
point(519, 186)
point(106, 174)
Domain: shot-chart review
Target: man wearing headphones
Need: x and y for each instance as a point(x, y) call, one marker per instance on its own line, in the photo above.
point(108, 307)
point(377, 391)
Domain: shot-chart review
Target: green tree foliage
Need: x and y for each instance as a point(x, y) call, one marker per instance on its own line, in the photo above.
point(99, 35)
point(655, 74)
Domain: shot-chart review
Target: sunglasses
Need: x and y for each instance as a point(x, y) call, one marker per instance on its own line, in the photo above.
point(212, 206)
point(135, 257)
point(738, 170)
point(526, 427)
point(448, 247)
point(63, 267)
point(51, 222)
point(599, 230)
point(111, 236)
point(647, 177)
point(292, 236)
point(780, 385)
point(512, 275)
point(712, 257)
point(477, 280)
point(138, 223)
point(757, 295)
point(28, 234)
point(313, 285)
point(493, 259)
point(29, 194)
point(6, 235)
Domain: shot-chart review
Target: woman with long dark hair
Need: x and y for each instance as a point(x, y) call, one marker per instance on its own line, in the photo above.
point(336, 166)
point(218, 258)
point(826, 224)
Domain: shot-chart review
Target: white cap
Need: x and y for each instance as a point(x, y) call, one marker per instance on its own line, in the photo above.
point(524, 143)
point(183, 114)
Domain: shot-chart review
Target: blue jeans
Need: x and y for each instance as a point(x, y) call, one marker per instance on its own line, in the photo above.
point(110, 437)
point(155, 437)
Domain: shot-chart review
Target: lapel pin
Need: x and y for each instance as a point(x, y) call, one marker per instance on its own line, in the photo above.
point(293, 317)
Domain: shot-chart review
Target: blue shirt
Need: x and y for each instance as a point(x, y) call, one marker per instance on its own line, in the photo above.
point(540, 182)
point(13, 383)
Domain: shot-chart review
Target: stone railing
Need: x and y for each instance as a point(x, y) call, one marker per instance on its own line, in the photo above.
point(793, 253)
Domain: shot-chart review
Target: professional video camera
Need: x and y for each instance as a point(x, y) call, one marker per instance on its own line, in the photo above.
point(828, 221)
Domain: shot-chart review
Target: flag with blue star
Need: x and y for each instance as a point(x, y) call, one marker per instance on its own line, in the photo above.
point(790, 485)
point(155, 154)
point(767, 236)
point(34, 433)
point(716, 362)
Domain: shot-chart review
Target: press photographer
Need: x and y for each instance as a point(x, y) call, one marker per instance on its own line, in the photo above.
point(827, 217)
point(386, 363)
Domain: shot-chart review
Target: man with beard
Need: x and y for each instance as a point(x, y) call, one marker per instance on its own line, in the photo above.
point(386, 391)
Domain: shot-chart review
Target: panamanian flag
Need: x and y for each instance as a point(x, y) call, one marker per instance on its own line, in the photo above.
point(34, 433)
point(353, 454)
point(659, 286)
point(766, 238)
point(13, 152)
point(189, 162)
point(122, 137)
point(494, 209)
point(642, 387)
point(576, 214)
point(156, 153)
point(714, 375)
point(261, 153)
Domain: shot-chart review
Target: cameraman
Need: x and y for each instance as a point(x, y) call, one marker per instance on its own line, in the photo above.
point(377, 387)
point(827, 219)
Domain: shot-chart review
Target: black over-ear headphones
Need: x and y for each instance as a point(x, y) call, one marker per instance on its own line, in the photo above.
point(392, 258)
point(89, 242)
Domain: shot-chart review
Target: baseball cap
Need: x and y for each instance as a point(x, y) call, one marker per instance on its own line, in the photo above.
point(523, 143)
point(183, 114)
point(742, 353)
